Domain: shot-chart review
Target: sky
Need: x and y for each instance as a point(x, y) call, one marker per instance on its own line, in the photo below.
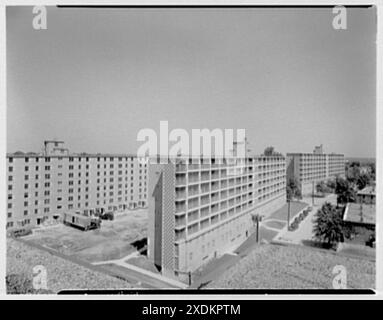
point(95, 77)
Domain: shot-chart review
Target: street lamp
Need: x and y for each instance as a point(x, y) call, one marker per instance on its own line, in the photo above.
point(256, 218)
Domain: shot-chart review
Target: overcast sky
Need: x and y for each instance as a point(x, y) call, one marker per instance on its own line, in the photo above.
point(96, 77)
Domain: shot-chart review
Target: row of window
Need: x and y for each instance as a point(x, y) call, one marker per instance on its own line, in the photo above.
point(71, 159)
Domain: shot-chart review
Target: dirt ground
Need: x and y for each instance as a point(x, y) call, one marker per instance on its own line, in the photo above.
point(114, 240)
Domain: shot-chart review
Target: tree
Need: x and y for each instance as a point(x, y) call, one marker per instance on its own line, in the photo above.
point(322, 187)
point(363, 180)
point(353, 172)
point(328, 225)
point(331, 184)
point(269, 151)
point(344, 191)
point(293, 190)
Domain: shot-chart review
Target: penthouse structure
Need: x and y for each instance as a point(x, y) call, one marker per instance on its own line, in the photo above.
point(44, 186)
point(202, 208)
point(311, 168)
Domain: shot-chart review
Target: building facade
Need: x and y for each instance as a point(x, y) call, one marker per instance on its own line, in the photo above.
point(202, 208)
point(44, 186)
point(311, 168)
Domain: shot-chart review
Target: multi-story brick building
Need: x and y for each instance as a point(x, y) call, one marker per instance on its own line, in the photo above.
point(202, 208)
point(44, 186)
point(311, 168)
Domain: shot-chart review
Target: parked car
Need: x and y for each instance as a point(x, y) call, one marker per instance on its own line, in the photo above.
point(19, 232)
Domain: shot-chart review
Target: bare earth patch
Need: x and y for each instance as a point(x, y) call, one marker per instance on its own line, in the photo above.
point(112, 241)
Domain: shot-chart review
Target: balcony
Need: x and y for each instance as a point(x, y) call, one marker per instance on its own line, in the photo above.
point(205, 176)
point(180, 194)
point(180, 180)
point(180, 222)
point(193, 203)
point(180, 234)
point(194, 166)
point(205, 223)
point(214, 186)
point(180, 207)
point(205, 188)
point(205, 212)
point(193, 177)
point(193, 228)
point(193, 190)
point(215, 175)
point(215, 197)
point(214, 208)
point(205, 200)
point(193, 215)
point(180, 167)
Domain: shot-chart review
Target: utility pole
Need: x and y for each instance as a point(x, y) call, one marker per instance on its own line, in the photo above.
point(313, 194)
point(288, 215)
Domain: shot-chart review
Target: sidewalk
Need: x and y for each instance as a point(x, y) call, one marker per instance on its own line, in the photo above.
point(122, 263)
point(304, 233)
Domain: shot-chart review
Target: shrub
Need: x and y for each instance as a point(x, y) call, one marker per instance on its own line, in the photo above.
point(329, 224)
point(18, 284)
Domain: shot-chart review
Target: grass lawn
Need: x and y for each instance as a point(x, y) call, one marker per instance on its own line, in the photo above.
point(266, 234)
point(275, 224)
point(294, 267)
point(61, 274)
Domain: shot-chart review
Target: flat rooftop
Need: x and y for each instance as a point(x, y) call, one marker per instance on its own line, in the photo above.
point(369, 190)
point(360, 213)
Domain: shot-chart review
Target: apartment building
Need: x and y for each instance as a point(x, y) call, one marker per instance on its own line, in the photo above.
point(311, 168)
point(44, 186)
point(202, 208)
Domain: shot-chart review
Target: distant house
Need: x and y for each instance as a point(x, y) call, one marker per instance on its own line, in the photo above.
point(367, 195)
point(360, 214)
point(363, 212)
